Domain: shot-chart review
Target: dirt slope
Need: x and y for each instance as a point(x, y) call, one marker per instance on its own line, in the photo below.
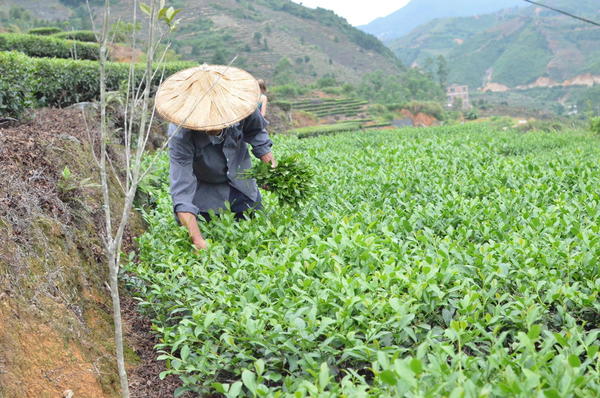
point(55, 316)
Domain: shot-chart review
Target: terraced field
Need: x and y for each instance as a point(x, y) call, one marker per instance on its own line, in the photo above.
point(331, 107)
point(350, 113)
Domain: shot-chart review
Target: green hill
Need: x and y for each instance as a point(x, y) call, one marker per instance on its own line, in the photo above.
point(513, 47)
point(419, 12)
point(272, 38)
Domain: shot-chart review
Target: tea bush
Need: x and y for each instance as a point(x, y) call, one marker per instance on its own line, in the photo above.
point(60, 82)
point(48, 46)
point(324, 129)
point(430, 263)
point(16, 92)
point(44, 31)
point(79, 35)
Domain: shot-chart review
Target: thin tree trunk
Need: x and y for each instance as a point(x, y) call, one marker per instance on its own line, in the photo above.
point(110, 243)
point(113, 237)
point(116, 302)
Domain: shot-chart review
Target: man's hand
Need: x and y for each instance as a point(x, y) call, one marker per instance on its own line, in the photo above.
point(269, 159)
point(200, 244)
point(190, 221)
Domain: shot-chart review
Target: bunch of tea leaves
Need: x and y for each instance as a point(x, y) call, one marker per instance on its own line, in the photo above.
point(292, 181)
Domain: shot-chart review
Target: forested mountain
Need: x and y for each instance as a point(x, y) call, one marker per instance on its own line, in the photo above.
point(419, 12)
point(523, 47)
point(275, 39)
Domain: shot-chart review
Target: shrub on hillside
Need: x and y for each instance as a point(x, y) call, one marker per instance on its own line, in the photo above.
point(79, 35)
point(324, 129)
point(283, 105)
point(51, 47)
point(547, 126)
point(333, 90)
point(348, 89)
point(595, 125)
point(431, 108)
point(386, 88)
point(288, 91)
point(472, 115)
point(45, 31)
point(394, 107)
point(328, 80)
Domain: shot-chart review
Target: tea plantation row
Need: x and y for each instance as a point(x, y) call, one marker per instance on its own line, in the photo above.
point(452, 261)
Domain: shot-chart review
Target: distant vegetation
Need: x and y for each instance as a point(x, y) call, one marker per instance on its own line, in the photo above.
point(419, 12)
point(329, 18)
point(387, 88)
point(376, 87)
point(512, 47)
point(577, 102)
point(17, 19)
point(77, 3)
point(292, 76)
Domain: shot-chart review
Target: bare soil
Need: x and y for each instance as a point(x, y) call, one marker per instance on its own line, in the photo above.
point(55, 313)
point(144, 379)
point(420, 119)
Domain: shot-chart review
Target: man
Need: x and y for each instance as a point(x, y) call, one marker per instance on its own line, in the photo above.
point(218, 107)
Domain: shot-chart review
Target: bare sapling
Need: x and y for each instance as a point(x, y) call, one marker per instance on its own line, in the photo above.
point(135, 136)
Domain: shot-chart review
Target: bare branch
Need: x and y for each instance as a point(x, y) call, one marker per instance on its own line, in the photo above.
point(90, 138)
point(117, 177)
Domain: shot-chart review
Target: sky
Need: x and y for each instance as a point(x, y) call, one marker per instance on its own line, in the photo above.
point(358, 12)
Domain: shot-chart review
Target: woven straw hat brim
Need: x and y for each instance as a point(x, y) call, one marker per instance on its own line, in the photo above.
point(208, 97)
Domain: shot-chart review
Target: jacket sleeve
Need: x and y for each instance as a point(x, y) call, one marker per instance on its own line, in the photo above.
point(255, 134)
point(183, 180)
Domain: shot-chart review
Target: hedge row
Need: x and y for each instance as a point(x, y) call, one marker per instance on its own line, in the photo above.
point(48, 46)
point(78, 35)
point(324, 129)
point(46, 82)
point(45, 31)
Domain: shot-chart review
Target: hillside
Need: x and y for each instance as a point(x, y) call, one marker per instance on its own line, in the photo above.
point(419, 12)
point(511, 48)
point(272, 38)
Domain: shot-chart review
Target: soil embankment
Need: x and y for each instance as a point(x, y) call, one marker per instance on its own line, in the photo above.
point(55, 317)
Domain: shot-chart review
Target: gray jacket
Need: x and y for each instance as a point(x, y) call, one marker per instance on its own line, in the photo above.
point(202, 169)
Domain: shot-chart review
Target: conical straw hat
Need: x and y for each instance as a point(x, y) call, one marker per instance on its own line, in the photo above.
point(208, 97)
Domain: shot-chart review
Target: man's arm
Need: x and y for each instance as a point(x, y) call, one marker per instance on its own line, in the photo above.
point(255, 134)
point(265, 104)
point(184, 183)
